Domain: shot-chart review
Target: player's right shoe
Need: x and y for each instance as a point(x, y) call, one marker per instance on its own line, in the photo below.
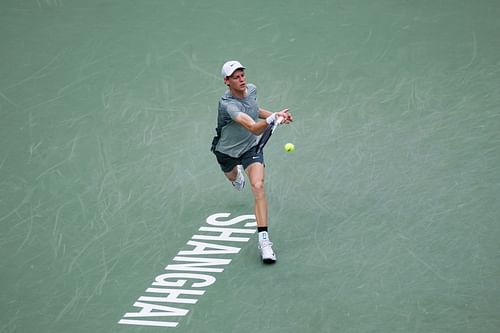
point(239, 183)
point(266, 251)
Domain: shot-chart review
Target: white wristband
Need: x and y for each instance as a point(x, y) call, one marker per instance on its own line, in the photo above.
point(271, 119)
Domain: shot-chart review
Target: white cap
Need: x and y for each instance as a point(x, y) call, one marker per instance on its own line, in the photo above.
point(229, 67)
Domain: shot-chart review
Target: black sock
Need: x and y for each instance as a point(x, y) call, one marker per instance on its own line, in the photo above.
point(260, 229)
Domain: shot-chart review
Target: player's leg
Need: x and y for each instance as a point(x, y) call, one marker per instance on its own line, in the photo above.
point(236, 177)
point(231, 175)
point(255, 172)
point(232, 170)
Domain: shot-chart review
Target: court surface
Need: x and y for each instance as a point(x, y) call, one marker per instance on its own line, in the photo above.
point(384, 219)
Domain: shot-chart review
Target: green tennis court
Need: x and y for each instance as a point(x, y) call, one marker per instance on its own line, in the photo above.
point(115, 216)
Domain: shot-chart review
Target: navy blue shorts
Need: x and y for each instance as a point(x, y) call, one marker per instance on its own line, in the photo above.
point(227, 163)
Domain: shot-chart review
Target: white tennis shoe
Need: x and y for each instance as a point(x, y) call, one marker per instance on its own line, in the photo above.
point(266, 251)
point(239, 183)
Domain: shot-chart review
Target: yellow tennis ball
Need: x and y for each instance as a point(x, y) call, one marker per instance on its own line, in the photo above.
point(289, 147)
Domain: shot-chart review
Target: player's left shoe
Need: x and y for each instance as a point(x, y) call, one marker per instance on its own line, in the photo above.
point(239, 183)
point(266, 251)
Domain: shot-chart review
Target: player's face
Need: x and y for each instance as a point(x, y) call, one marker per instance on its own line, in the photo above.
point(237, 81)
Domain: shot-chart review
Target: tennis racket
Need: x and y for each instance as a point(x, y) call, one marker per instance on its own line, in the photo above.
point(267, 134)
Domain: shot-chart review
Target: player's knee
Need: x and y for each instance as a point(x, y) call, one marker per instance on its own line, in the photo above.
point(258, 187)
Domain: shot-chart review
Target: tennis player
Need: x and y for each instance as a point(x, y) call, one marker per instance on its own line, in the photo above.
point(238, 131)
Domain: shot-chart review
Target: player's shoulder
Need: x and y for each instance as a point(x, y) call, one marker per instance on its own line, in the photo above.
point(226, 98)
point(227, 101)
point(251, 88)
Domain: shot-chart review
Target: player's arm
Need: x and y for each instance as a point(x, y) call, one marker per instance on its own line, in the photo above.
point(263, 114)
point(256, 127)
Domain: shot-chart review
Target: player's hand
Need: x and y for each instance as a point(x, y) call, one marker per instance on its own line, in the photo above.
point(287, 116)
